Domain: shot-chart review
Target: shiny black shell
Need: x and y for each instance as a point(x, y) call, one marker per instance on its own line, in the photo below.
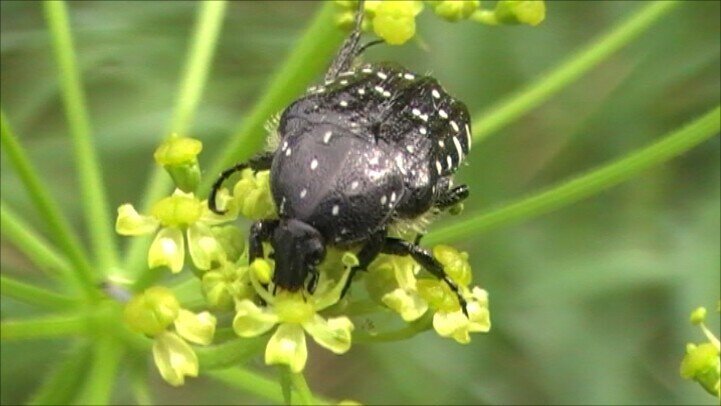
point(377, 143)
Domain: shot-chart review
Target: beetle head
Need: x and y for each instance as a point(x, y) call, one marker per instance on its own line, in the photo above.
point(298, 249)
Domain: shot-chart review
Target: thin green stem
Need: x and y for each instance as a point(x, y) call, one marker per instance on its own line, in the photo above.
point(45, 327)
point(515, 106)
point(63, 381)
point(63, 234)
point(230, 353)
point(308, 59)
point(139, 382)
point(30, 243)
point(300, 386)
point(249, 382)
point(192, 81)
point(670, 146)
point(97, 215)
point(411, 330)
point(285, 386)
point(98, 387)
point(34, 295)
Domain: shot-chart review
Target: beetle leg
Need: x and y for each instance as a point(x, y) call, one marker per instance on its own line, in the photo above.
point(260, 231)
point(259, 162)
point(349, 50)
point(452, 197)
point(366, 255)
point(313, 281)
point(424, 258)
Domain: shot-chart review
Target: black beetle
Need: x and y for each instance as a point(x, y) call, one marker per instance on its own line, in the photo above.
point(374, 145)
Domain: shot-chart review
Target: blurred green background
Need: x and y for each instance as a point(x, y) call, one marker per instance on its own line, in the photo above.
point(589, 304)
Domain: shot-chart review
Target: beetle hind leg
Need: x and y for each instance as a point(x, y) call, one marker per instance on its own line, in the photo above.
point(452, 197)
point(424, 258)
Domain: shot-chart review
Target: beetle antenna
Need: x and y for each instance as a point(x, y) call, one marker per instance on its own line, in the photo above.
point(349, 50)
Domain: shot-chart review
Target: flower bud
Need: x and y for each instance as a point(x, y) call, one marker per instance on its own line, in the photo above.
point(179, 156)
point(455, 263)
point(438, 295)
point(454, 10)
point(395, 22)
point(262, 270)
point(698, 316)
point(152, 311)
point(253, 196)
point(531, 12)
point(178, 210)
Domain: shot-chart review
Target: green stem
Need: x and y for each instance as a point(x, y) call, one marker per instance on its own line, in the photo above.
point(30, 243)
point(139, 381)
point(230, 353)
point(45, 327)
point(97, 215)
point(98, 387)
point(285, 385)
point(50, 212)
point(62, 383)
point(34, 295)
point(586, 185)
point(414, 328)
point(192, 81)
point(578, 64)
point(308, 59)
point(299, 384)
point(249, 382)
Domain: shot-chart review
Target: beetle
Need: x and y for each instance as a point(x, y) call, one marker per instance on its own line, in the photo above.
point(374, 145)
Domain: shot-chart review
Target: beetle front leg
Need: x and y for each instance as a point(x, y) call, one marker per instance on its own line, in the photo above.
point(260, 231)
point(424, 258)
point(259, 162)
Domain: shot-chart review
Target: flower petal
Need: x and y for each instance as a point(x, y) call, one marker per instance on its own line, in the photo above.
point(252, 321)
point(204, 248)
point(333, 334)
point(408, 304)
point(167, 250)
point(130, 222)
point(174, 358)
point(287, 346)
point(197, 328)
point(452, 324)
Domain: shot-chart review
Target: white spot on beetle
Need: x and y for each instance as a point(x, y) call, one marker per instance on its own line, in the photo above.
point(449, 161)
point(439, 167)
point(386, 94)
point(458, 148)
point(282, 206)
point(335, 210)
point(416, 112)
point(303, 193)
point(343, 103)
point(435, 94)
point(409, 76)
point(285, 145)
point(288, 152)
point(424, 117)
point(410, 148)
point(379, 89)
point(354, 185)
point(442, 113)
point(367, 70)
point(373, 160)
point(454, 125)
point(382, 75)
point(384, 199)
point(423, 130)
point(441, 144)
point(347, 73)
point(393, 197)
point(469, 140)
point(361, 91)
point(314, 164)
point(326, 136)
point(343, 82)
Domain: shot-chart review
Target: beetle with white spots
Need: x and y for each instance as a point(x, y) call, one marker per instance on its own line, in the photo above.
point(379, 146)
